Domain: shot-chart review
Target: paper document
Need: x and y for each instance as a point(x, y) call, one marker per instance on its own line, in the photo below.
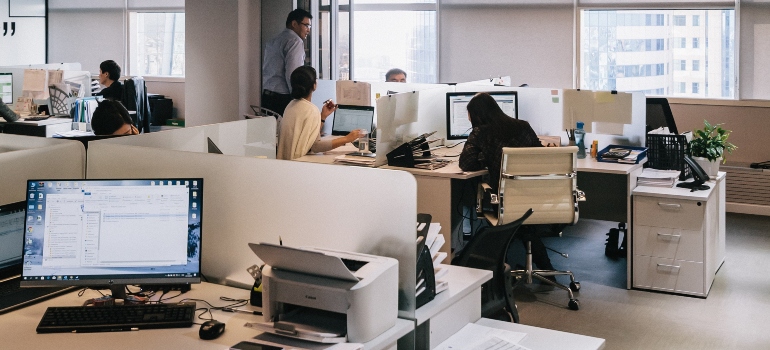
point(472, 335)
point(356, 93)
point(55, 77)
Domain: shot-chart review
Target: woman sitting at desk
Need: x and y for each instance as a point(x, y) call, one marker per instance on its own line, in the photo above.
point(301, 125)
point(493, 130)
point(111, 118)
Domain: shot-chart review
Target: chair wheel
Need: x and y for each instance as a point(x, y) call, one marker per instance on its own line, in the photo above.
point(575, 286)
point(573, 304)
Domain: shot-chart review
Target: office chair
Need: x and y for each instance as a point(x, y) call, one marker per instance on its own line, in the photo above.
point(135, 99)
point(487, 250)
point(542, 179)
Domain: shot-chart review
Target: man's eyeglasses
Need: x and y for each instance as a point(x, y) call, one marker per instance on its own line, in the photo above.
point(307, 25)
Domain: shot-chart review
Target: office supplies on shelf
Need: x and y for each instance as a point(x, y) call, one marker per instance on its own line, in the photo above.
point(657, 178)
point(635, 154)
point(116, 318)
point(425, 286)
point(354, 287)
point(666, 152)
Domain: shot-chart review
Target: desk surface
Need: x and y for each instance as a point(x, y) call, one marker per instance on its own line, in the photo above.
point(542, 338)
point(462, 281)
point(678, 192)
point(17, 328)
point(49, 121)
point(592, 165)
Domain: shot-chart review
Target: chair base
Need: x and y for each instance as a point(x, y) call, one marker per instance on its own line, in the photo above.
point(541, 275)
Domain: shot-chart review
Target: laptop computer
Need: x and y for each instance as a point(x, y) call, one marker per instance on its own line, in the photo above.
point(12, 246)
point(348, 118)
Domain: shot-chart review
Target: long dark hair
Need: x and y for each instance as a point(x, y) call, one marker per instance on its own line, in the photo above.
point(302, 81)
point(484, 110)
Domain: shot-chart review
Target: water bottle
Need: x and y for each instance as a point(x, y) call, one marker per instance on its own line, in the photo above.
point(363, 142)
point(580, 136)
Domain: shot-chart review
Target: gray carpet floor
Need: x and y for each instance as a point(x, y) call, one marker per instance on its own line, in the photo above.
point(736, 314)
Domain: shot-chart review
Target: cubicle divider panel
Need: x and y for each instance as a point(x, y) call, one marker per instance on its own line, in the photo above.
point(28, 157)
point(183, 139)
point(249, 200)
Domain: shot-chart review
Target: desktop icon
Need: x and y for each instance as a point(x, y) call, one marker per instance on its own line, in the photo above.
point(195, 205)
point(178, 183)
point(195, 194)
point(39, 207)
point(31, 196)
point(194, 216)
point(32, 184)
point(40, 195)
point(29, 218)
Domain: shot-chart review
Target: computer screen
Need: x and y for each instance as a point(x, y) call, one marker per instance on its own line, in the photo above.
point(113, 232)
point(6, 87)
point(11, 238)
point(348, 118)
point(458, 125)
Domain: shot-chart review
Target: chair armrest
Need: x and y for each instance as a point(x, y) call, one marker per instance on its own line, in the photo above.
point(485, 191)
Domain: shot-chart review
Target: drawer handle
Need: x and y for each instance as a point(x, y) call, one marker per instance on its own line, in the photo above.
point(669, 266)
point(670, 205)
point(669, 235)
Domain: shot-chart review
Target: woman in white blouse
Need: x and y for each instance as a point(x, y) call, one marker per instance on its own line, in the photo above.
point(301, 126)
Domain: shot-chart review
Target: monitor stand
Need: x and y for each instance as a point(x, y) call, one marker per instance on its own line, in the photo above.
point(118, 291)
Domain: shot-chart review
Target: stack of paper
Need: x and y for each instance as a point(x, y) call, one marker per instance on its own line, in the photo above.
point(434, 241)
point(355, 160)
point(657, 178)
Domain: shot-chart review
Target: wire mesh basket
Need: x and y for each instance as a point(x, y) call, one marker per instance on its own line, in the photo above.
point(666, 152)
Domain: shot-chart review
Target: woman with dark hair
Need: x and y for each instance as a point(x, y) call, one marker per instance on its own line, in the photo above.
point(301, 125)
point(111, 118)
point(109, 73)
point(493, 130)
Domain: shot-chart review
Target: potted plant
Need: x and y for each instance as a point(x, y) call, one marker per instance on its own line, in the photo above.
point(708, 147)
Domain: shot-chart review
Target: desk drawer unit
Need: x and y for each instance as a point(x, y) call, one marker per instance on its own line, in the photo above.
point(671, 245)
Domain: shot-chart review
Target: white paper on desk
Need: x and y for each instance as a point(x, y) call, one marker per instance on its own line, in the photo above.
point(437, 243)
point(406, 108)
point(451, 168)
point(356, 93)
point(34, 83)
point(472, 335)
point(386, 114)
point(433, 231)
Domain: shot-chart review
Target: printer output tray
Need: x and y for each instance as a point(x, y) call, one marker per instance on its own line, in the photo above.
point(303, 261)
point(308, 324)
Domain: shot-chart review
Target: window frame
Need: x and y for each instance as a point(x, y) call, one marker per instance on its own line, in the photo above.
point(625, 6)
point(129, 67)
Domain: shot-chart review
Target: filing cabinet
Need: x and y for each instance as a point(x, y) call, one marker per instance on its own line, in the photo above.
point(678, 238)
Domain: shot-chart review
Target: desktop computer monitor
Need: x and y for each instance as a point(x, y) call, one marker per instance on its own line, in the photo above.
point(112, 232)
point(6, 87)
point(457, 124)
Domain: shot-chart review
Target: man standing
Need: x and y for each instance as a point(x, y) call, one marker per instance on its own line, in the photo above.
point(283, 54)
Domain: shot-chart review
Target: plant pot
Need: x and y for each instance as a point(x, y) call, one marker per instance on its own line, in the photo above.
point(711, 168)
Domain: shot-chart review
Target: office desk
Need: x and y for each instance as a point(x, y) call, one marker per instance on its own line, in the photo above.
point(438, 191)
point(452, 309)
point(17, 328)
point(43, 128)
point(541, 338)
point(608, 188)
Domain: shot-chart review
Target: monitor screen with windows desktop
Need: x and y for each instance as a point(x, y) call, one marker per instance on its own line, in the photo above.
point(457, 124)
point(113, 232)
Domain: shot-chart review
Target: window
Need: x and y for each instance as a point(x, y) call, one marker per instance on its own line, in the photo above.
point(156, 43)
point(695, 88)
point(376, 36)
point(695, 20)
point(653, 58)
point(681, 87)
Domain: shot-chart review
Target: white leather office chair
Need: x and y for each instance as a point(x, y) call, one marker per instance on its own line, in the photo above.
point(545, 180)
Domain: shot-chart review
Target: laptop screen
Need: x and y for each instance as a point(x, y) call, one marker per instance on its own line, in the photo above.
point(348, 118)
point(11, 238)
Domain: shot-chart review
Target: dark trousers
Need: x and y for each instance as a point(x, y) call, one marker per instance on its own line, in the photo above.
point(274, 101)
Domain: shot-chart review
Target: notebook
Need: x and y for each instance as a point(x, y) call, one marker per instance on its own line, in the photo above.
point(348, 118)
point(12, 246)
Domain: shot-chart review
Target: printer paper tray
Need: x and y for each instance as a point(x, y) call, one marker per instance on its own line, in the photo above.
point(269, 327)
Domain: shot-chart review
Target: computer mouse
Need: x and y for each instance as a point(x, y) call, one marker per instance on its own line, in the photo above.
point(211, 329)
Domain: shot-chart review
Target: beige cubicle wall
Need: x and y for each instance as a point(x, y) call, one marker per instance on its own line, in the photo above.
point(29, 157)
point(252, 137)
point(250, 200)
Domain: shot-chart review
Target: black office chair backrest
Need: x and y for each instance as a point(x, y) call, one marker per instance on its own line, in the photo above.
point(659, 115)
point(487, 250)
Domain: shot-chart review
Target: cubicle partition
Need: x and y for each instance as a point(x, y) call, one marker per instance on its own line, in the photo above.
point(252, 137)
point(251, 200)
point(28, 157)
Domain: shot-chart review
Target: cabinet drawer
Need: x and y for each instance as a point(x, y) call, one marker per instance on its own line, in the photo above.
point(668, 212)
point(671, 243)
point(669, 275)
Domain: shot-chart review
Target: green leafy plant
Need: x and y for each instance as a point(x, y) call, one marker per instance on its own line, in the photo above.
point(711, 142)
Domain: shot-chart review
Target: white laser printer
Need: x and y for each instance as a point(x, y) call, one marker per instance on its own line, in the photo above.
point(326, 295)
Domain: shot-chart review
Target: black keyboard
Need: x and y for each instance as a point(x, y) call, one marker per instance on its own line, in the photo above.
point(116, 318)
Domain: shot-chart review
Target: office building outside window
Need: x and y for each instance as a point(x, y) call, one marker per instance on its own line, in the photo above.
point(695, 88)
point(647, 51)
point(156, 44)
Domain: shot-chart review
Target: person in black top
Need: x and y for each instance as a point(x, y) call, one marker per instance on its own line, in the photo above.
point(493, 130)
point(111, 118)
point(109, 73)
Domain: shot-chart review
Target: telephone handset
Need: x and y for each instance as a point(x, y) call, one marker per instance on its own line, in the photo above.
point(698, 174)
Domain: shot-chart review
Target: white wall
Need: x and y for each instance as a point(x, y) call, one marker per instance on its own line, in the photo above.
point(532, 44)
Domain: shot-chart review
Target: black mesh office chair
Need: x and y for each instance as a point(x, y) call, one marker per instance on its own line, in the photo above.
point(542, 179)
point(487, 251)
